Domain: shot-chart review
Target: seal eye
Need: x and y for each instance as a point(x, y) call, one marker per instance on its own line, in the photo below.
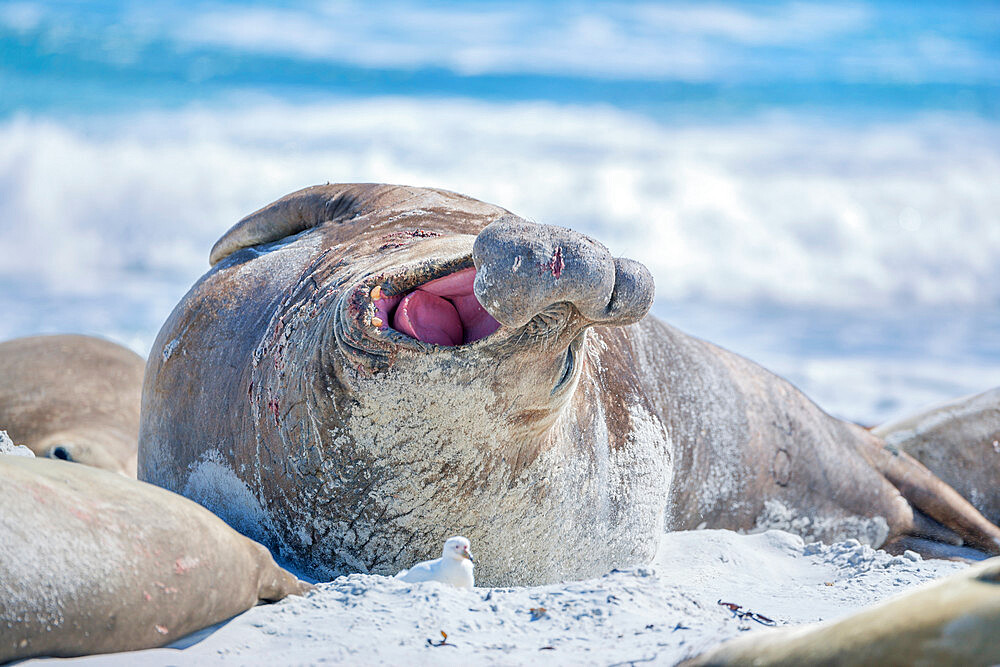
point(60, 452)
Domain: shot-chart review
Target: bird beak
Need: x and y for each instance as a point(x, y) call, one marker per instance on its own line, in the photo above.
point(466, 554)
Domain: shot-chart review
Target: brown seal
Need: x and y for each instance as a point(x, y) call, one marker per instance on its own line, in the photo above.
point(368, 369)
point(93, 562)
point(952, 621)
point(74, 398)
point(960, 442)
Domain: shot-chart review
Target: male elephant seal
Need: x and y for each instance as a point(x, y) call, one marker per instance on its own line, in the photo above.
point(960, 442)
point(368, 369)
point(952, 621)
point(92, 562)
point(74, 398)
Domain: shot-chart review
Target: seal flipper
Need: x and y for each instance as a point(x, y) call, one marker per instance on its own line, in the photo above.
point(925, 527)
point(932, 549)
point(927, 493)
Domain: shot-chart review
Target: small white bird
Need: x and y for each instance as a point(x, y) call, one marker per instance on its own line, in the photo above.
point(453, 567)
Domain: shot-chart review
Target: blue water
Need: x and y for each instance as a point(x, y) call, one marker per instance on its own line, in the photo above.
point(813, 185)
point(860, 60)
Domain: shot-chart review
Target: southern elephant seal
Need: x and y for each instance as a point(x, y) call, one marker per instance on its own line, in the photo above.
point(959, 441)
point(74, 398)
point(952, 621)
point(93, 562)
point(368, 369)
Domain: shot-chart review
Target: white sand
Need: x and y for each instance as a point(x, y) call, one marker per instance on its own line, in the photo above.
point(7, 446)
point(658, 614)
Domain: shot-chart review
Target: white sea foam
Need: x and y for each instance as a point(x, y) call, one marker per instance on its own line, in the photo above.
point(775, 210)
point(872, 390)
point(119, 211)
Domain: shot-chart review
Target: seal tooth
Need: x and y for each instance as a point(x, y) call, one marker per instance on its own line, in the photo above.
point(376, 321)
point(376, 293)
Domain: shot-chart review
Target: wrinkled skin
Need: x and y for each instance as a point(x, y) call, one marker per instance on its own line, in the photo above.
point(93, 562)
point(959, 441)
point(561, 445)
point(74, 398)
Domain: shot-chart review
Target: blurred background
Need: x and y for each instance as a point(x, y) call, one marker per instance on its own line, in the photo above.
point(814, 185)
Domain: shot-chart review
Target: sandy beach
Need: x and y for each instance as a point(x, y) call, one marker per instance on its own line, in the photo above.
point(656, 614)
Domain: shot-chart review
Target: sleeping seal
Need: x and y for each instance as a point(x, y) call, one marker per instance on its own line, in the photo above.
point(368, 369)
point(959, 441)
point(93, 562)
point(952, 621)
point(74, 398)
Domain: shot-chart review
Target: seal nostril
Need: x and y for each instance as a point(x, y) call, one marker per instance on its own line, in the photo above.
point(61, 452)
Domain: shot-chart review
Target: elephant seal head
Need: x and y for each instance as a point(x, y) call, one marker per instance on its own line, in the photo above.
point(373, 368)
point(73, 398)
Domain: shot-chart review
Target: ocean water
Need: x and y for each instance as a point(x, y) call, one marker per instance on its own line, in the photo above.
point(813, 185)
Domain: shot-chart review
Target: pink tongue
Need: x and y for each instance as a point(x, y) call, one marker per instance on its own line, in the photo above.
point(476, 321)
point(444, 311)
point(428, 318)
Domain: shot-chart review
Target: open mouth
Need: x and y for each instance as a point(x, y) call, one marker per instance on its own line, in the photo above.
point(443, 311)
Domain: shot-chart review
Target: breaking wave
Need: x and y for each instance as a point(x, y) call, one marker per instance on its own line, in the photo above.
point(105, 221)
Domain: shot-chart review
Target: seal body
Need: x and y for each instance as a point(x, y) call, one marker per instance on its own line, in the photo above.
point(959, 441)
point(93, 562)
point(952, 621)
point(74, 398)
point(300, 390)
